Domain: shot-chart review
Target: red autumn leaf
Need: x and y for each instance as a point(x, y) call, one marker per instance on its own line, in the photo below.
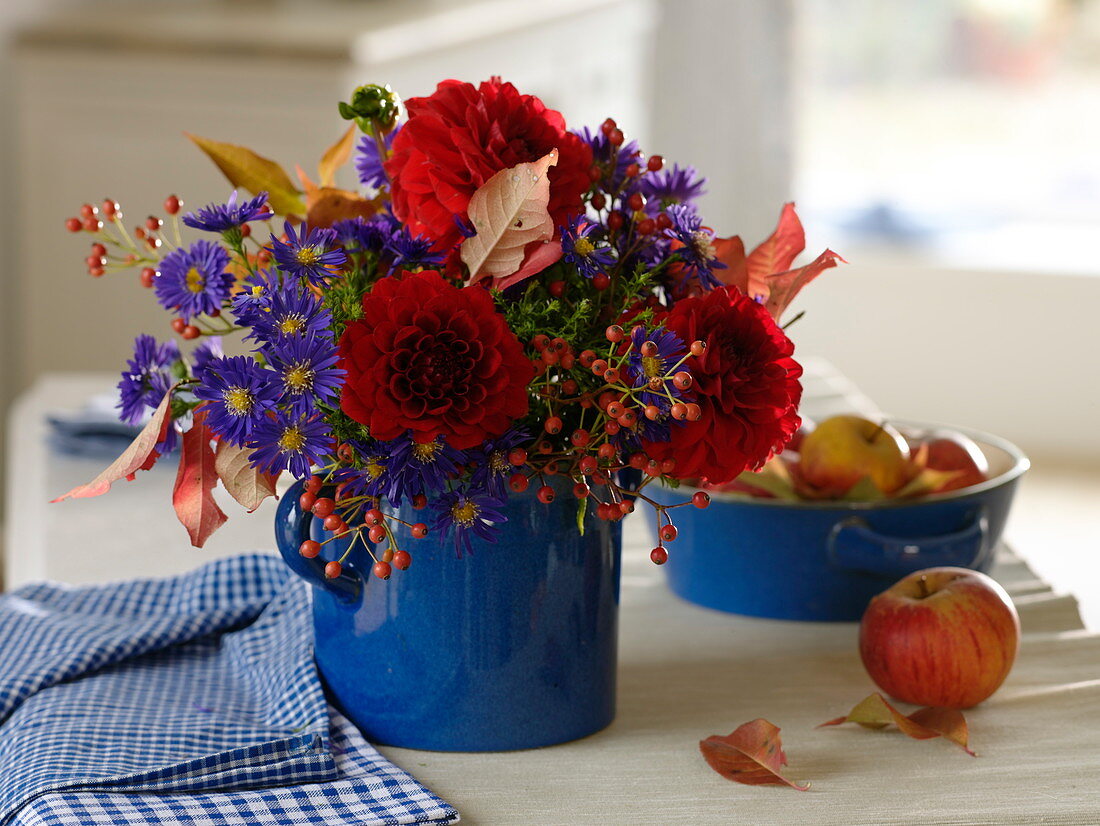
point(765, 273)
point(197, 475)
point(923, 724)
point(777, 252)
point(140, 455)
point(245, 483)
point(784, 286)
point(752, 754)
point(539, 256)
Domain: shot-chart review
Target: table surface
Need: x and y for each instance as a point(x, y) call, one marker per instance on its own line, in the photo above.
point(685, 672)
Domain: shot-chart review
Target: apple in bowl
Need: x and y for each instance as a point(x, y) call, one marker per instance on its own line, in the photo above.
point(940, 637)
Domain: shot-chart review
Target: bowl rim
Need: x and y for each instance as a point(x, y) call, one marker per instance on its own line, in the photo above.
point(1020, 465)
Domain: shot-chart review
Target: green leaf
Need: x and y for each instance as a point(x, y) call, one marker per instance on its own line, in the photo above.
point(582, 509)
point(254, 173)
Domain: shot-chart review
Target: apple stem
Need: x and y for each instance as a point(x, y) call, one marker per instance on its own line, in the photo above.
point(923, 583)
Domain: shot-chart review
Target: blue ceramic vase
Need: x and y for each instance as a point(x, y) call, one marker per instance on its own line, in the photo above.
point(512, 646)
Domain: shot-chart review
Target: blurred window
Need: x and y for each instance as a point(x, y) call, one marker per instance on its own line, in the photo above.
point(965, 130)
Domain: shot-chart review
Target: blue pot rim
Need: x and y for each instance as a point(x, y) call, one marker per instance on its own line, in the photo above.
point(1020, 465)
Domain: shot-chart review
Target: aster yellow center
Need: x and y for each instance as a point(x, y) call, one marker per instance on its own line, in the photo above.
point(307, 256)
point(498, 462)
point(292, 325)
point(652, 366)
point(194, 280)
point(299, 378)
point(238, 401)
point(374, 467)
point(465, 514)
point(293, 439)
point(426, 452)
point(583, 246)
point(702, 244)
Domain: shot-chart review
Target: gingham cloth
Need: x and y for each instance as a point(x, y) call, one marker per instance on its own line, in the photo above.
point(190, 700)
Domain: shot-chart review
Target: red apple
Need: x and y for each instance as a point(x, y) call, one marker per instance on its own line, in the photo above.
point(940, 637)
point(947, 450)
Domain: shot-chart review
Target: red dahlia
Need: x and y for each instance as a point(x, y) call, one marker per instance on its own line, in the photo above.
point(434, 359)
point(456, 139)
point(746, 384)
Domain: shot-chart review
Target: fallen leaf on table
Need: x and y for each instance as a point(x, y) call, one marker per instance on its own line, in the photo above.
point(140, 455)
point(752, 754)
point(923, 724)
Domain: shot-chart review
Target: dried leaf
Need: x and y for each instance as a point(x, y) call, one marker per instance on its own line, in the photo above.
point(140, 455)
point(784, 286)
point(336, 156)
point(773, 479)
point(539, 256)
point(255, 173)
point(192, 496)
point(245, 483)
point(508, 212)
point(778, 251)
point(752, 754)
point(924, 724)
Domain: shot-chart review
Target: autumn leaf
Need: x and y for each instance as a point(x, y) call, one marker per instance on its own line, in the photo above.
point(765, 274)
point(538, 258)
point(140, 455)
point(255, 173)
point(752, 754)
point(508, 212)
point(336, 156)
point(923, 724)
point(244, 482)
point(325, 205)
point(782, 287)
point(192, 496)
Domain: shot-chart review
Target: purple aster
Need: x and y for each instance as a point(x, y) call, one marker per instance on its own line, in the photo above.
point(220, 217)
point(239, 393)
point(411, 252)
point(309, 254)
point(211, 348)
point(655, 372)
point(306, 370)
point(359, 235)
point(290, 313)
point(672, 185)
point(417, 468)
point(603, 151)
point(367, 162)
point(696, 248)
point(193, 280)
point(282, 442)
point(147, 377)
point(370, 476)
point(491, 465)
point(250, 303)
point(467, 514)
point(581, 250)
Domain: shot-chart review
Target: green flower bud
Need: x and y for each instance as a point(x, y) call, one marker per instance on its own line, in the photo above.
point(372, 107)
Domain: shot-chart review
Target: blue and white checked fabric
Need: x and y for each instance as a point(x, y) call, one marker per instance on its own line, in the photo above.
point(191, 700)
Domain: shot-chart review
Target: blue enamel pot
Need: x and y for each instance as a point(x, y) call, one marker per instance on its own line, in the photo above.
point(825, 560)
point(512, 646)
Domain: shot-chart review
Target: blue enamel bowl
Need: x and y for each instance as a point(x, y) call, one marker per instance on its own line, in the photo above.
point(824, 561)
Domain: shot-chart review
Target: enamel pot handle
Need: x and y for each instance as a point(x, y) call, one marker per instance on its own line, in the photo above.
point(855, 545)
point(292, 528)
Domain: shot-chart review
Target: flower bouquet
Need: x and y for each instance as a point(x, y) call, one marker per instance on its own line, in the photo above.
point(509, 313)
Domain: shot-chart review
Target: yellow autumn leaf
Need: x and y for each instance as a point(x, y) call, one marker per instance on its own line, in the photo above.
point(254, 173)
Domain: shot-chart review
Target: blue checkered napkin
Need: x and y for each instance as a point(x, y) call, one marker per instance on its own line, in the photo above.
point(167, 700)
